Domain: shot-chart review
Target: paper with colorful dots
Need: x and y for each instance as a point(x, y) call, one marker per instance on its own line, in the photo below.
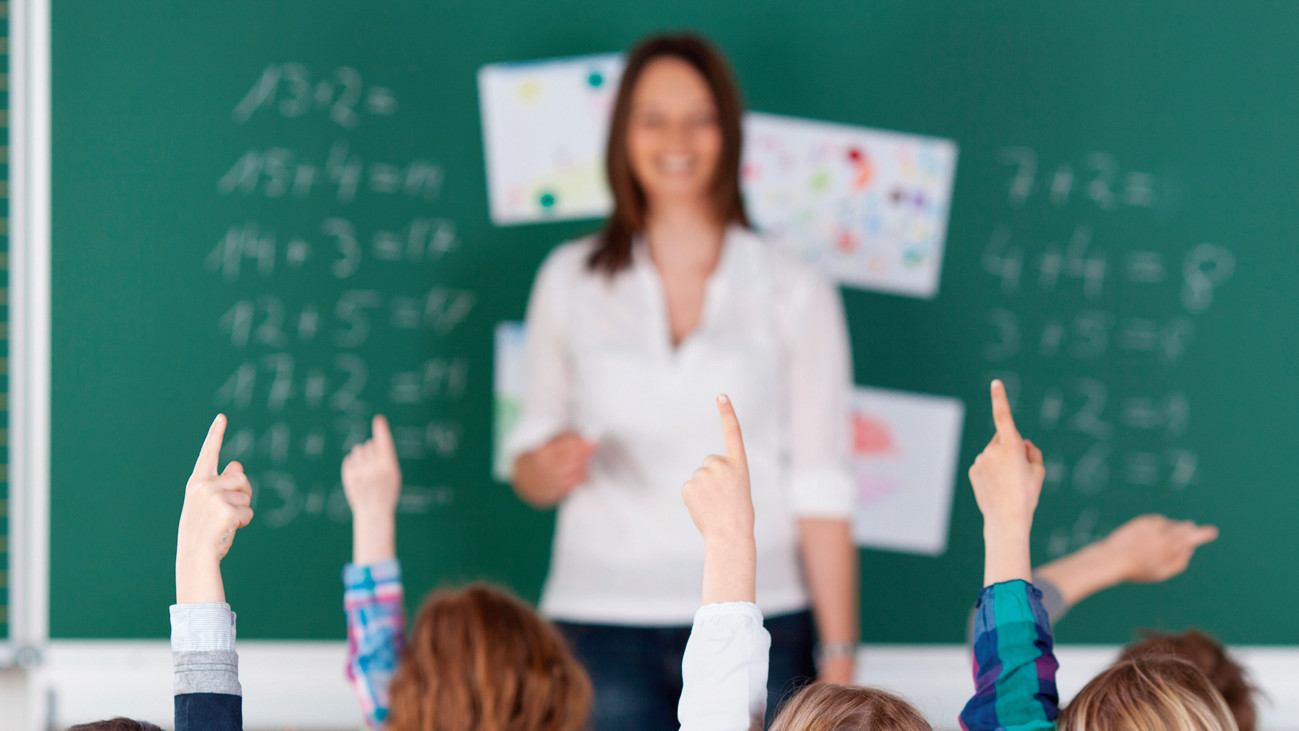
point(905, 451)
point(544, 129)
point(867, 206)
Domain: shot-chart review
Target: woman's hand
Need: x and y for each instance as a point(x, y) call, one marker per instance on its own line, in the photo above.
point(1007, 478)
point(550, 472)
point(372, 484)
point(1153, 548)
point(216, 505)
point(721, 506)
point(1147, 549)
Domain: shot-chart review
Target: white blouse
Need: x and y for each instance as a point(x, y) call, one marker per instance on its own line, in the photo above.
point(600, 362)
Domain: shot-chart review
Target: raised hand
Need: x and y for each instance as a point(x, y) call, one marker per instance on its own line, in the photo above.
point(1153, 548)
point(372, 484)
point(721, 505)
point(1007, 475)
point(216, 505)
point(1007, 479)
point(549, 473)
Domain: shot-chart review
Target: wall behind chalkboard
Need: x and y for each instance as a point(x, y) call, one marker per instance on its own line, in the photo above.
point(280, 212)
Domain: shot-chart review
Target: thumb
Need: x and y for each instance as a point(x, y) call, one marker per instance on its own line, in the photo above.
point(731, 431)
point(233, 468)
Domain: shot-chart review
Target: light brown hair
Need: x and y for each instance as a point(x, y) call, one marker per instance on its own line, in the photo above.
point(1207, 654)
point(1148, 693)
point(628, 218)
point(827, 707)
point(115, 724)
point(481, 660)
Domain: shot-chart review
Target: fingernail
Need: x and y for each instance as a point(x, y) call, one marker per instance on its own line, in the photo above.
point(722, 399)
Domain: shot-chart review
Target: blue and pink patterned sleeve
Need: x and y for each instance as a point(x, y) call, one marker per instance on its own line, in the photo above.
point(1014, 666)
point(376, 633)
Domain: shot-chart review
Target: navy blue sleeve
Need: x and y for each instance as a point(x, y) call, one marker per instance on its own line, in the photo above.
point(209, 712)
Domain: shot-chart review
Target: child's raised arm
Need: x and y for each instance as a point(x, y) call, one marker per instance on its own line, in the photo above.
point(1014, 667)
point(721, 506)
point(205, 666)
point(372, 590)
point(1007, 479)
point(724, 670)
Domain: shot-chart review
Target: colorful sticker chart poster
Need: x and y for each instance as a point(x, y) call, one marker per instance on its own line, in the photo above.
point(508, 383)
point(867, 206)
point(905, 448)
point(544, 130)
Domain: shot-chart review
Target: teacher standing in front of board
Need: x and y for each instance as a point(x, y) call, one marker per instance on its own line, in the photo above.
point(631, 334)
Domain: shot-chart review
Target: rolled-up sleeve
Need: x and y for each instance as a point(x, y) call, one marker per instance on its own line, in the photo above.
point(724, 670)
point(818, 401)
point(547, 388)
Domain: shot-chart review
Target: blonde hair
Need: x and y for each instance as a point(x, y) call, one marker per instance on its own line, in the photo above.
point(1207, 654)
point(1149, 693)
point(826, 707)
point(481, 660)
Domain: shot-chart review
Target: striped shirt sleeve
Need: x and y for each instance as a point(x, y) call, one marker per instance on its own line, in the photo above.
point(376, 633)
point(1014, 666)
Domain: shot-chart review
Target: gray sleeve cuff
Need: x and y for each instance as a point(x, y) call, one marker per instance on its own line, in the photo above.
point(1052, 600)
point(214, 671)
point(202, 627)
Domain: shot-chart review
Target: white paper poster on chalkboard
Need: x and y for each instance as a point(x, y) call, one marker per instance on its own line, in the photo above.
point(868, 207)
point(905, 449)
point(544, 128)
point(510, 376)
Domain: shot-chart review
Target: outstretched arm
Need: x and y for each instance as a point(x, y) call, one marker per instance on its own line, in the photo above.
point(1147, 549)
point(204, 664)
point(372, 596)
point(725, 665)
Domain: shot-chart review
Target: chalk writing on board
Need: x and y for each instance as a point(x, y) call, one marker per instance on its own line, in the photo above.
point(278, 499)
point(281, 444)
point(336, 291)
point(291, 90)
point(1097, 178)
point(337, 246)
point(1115, 314)
point(277, 172)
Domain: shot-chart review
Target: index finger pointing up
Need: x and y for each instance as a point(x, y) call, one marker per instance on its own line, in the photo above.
point(1001, 415)
point(731, 430)
point(208, 456)
point(382, 434)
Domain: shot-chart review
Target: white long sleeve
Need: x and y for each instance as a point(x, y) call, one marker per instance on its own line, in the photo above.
point(724, 670)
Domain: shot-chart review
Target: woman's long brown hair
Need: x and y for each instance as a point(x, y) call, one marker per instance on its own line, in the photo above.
point(481, 660)
point(613, 253)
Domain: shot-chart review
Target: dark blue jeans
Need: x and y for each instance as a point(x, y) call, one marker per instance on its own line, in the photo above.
point(637, 670)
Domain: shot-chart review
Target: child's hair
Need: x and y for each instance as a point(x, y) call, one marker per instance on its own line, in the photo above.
point(827, 707)
point(480, 660)
point(1154, 692)
point(1207, 654)
point(115, 724)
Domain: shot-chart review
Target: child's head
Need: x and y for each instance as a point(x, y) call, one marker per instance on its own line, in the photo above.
point(1152, 692)
point(826, 707)
point(115, 724)
point(478, 658)
point(1211, 658)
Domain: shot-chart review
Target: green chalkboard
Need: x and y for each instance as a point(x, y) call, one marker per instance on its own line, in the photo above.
point(280, 211)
